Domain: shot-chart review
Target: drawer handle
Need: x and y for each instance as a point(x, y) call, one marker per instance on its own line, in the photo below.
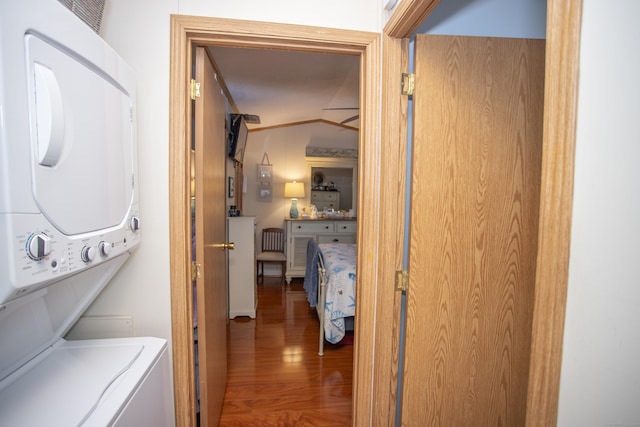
point(336, 240)
point(326, 227)
point(299, 227)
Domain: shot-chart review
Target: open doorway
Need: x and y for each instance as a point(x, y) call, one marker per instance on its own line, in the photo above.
point(189, 32)
point(274, 86)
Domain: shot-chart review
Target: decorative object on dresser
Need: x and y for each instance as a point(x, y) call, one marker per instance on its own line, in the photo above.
point(272, 252)
point(243, 296)
point(294, 190)
point(300, 231)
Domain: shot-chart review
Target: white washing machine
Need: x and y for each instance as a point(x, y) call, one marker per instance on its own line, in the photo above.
point(69, 220)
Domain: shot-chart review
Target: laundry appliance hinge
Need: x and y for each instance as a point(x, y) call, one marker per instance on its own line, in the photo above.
point(408, 84)
point(195, 271)
point(402, 280)
point(195, 89)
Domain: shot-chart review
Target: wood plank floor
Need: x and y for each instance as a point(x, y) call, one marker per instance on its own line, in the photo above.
point(275, 376)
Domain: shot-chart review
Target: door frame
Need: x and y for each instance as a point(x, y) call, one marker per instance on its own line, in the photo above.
point(189, 31)
point(381, 195)
point(564, 19)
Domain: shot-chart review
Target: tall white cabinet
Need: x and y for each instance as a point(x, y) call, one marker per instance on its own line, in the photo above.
point(243, 296)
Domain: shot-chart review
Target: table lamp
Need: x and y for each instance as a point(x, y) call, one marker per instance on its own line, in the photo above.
point(294, 190)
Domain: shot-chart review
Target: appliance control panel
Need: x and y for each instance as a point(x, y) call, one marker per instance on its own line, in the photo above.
point(40, 255)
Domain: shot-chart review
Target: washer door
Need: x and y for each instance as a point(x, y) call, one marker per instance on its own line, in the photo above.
point(82, 140)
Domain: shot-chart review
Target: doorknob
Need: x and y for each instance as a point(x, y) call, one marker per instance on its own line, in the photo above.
point(223, 246)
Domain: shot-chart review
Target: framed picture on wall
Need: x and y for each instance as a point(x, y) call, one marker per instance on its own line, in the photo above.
point(264, 173)
point(264, 193)
point(230, 190)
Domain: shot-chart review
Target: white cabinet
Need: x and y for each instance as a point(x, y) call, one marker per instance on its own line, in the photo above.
point(243, 296)
point(300, 231)
point(325, 199)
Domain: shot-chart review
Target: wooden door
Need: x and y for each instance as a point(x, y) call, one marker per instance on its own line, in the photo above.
point(211, 294)
point(475, 189)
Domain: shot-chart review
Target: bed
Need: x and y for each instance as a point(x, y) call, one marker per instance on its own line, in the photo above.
point(330, 283)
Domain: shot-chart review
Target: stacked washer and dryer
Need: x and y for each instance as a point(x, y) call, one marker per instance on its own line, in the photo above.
point(69, 220)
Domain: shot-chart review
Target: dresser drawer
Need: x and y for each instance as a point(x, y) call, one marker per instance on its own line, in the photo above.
point(346, 227)
point(325, 196)
point(312, 227)
point(336, 238)
point(330, 196)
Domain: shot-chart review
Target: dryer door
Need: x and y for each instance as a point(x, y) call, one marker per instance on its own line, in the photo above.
point(81, 140)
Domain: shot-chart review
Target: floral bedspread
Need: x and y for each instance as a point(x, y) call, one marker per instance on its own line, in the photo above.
point(340, 265)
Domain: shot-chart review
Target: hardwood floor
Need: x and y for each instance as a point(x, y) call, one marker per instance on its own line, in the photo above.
point(275, 376)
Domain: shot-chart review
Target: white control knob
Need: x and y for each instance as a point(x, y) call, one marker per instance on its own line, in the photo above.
point(38, 246)
point(134, 223)
point(88, 253)
point(104, 248)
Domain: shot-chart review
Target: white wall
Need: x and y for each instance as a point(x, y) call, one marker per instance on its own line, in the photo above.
point(286, 148)
point(491, 18)
point(600, 379)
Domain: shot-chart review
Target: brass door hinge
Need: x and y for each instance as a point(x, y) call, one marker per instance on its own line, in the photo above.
point(195, 89)
point(402, 280)
point(195, 271)
point(408, 83)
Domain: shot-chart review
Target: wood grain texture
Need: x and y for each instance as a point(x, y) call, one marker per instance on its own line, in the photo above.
point(408, 16)
point(276, 377)
point(390, 246)
point(211, 286)
point(474, 225)
point(564, 20)
point(180, 229)
point(188, 32)
point(369, 212)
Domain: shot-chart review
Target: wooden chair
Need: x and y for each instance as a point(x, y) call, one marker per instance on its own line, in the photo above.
point(272, 252)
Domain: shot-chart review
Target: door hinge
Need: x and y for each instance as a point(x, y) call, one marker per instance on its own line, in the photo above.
point(408, 83)
point(195, 89)
point(195, 271)
point(402, 280)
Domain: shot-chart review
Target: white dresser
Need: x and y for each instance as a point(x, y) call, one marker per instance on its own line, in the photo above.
point(243, 296)
point(325, 199)
point(300, 231)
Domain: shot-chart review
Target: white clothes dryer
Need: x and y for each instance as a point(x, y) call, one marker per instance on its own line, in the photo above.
point(69, 220)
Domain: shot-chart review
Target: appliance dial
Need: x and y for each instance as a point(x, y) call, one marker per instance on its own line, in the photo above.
point(38, 246)
point(134, 223)
point(105, 248)
point(88, 253)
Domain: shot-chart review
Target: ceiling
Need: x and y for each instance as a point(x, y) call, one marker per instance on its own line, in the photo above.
point(284, 87)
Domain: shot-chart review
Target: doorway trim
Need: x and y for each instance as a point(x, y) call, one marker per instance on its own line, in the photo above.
point(564, 19)
point(190, 31)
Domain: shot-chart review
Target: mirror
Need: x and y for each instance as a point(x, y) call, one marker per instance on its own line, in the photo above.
point(335, 176)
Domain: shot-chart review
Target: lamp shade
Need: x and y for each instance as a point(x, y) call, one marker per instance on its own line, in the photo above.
point(294, 189)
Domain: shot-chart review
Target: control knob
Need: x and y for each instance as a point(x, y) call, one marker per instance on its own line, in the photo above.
point(38, 246)
point(104, 248)
point(134, 223)
point(88, 253)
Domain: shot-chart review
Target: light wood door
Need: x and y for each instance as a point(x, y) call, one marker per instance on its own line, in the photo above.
point(475, 189)
point(211, 294)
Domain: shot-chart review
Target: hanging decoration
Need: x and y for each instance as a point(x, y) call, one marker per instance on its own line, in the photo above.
point(265, 174)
